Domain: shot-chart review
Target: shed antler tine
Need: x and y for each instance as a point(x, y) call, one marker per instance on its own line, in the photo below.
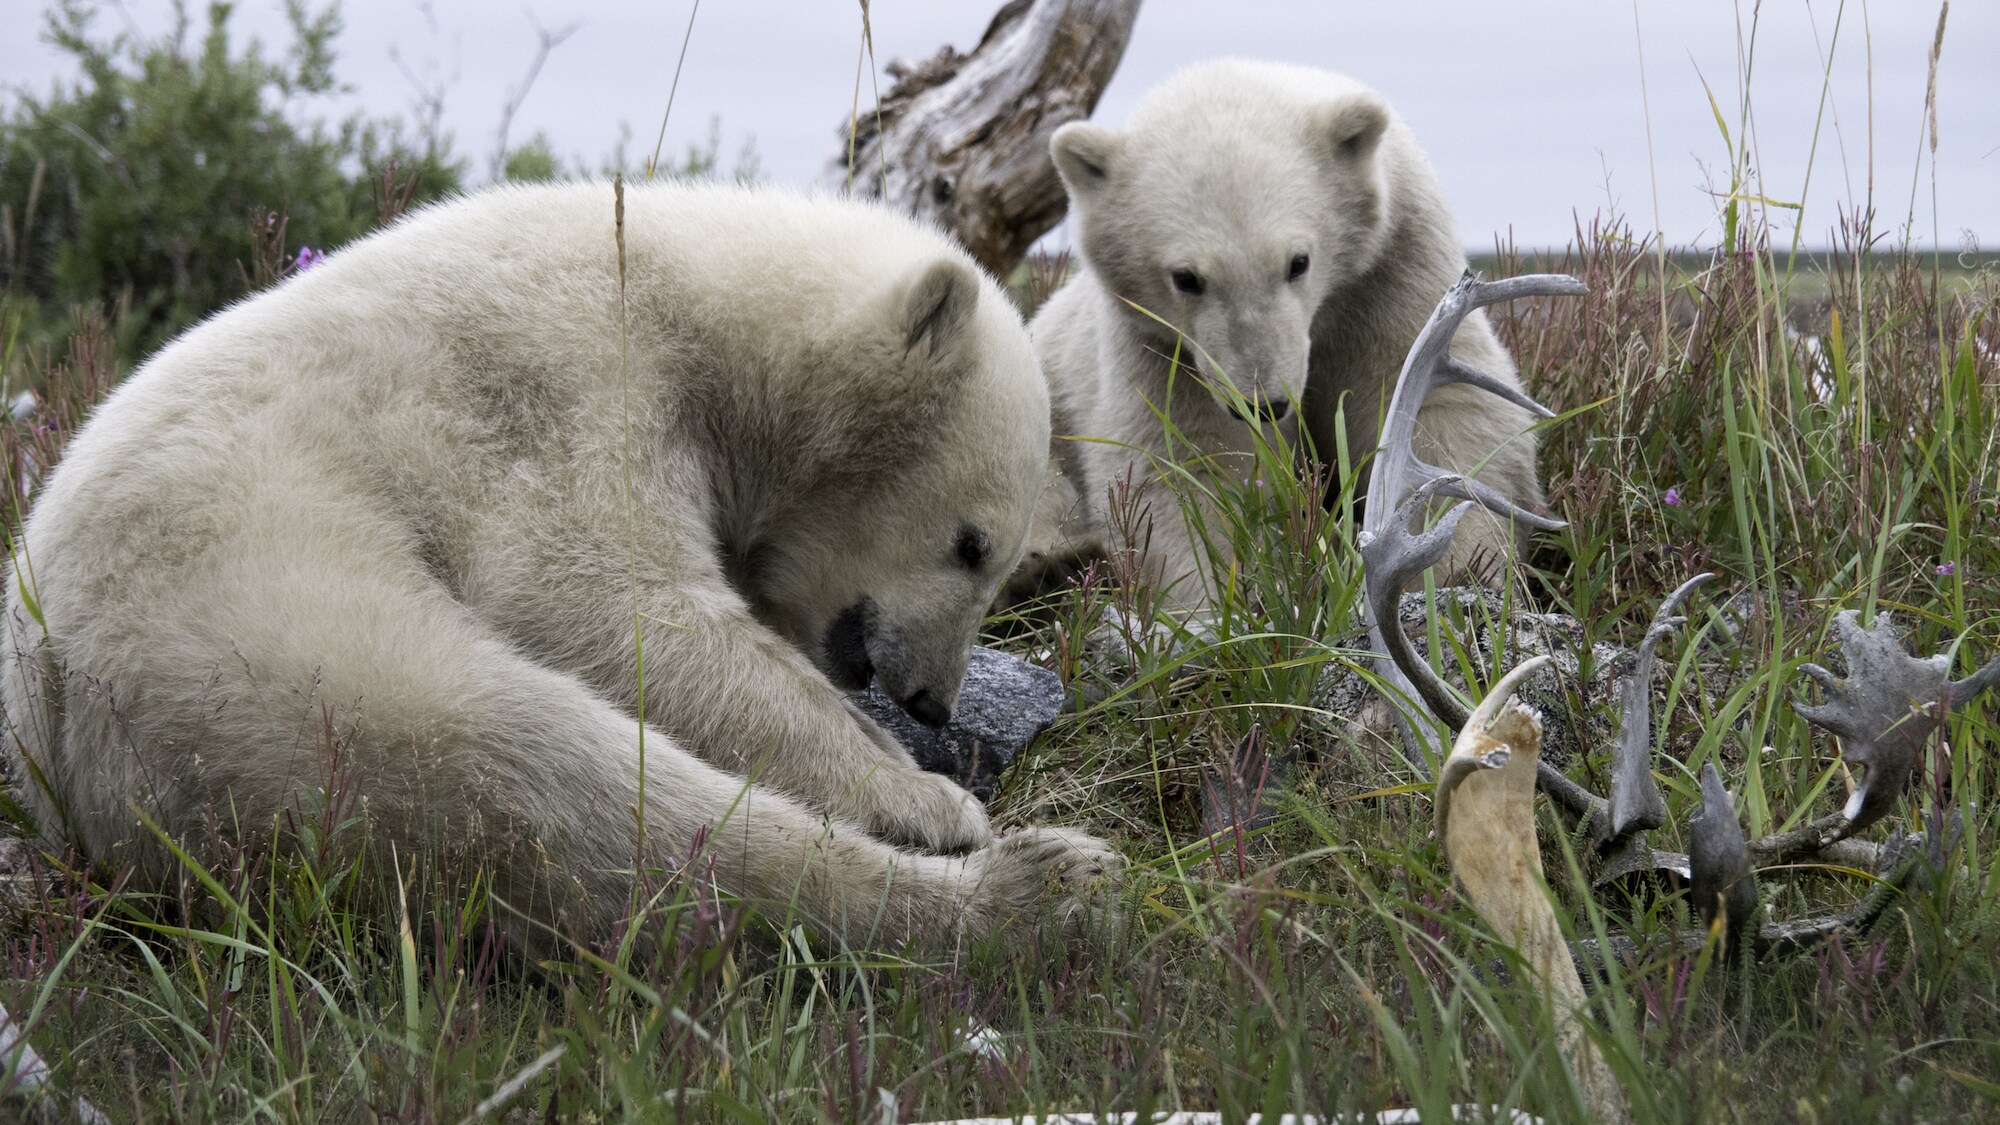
point(1458, 371)
point(1636, 801)
point(1977, 682)
point(1821, 676)
point(1493, 500)
point(1400, 485)
point(1392, 558)
point(1724, 886)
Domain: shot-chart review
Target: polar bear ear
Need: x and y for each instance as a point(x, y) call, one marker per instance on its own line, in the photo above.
point(1084, 154)
point(1353, 127)
point(938, 305)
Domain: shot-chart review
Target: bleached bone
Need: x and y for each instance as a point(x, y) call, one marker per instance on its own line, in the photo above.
point(1400, 486)
point(24, 1076)
point(1486, 818)
point(1884, 711)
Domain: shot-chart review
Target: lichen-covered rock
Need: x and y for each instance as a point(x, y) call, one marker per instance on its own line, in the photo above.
point(1004, 704)
point(1355, 709)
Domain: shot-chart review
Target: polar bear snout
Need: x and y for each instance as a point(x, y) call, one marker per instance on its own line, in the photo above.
point(921, 668)
point(924, 708)
point(1254, 357)
point(858, 648)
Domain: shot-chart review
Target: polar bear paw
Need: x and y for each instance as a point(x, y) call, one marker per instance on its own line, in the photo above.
point(1032, 874)
point(927, 811)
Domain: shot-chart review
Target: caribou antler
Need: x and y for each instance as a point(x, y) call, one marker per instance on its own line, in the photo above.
point(1391, 560)
point(1719, 858)
point(1400, 486)
point(1617, 826)
point(1636, 802)
point(1397, 470)
point(1884, 711)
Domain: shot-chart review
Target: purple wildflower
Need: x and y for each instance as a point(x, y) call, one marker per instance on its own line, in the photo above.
point(1673, 497)
point(308, 258)
point(1945, 569)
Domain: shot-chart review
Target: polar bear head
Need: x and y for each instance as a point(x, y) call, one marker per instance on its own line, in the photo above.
point(1238, 198)
point(921, 436)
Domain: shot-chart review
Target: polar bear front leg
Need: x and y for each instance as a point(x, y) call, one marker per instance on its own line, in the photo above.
point(742, 697)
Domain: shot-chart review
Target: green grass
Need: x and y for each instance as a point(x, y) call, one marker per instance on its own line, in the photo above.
point(1826, 423)
point(1321, 964)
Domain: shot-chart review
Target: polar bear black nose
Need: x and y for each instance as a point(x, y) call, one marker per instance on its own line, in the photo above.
point(925, 708)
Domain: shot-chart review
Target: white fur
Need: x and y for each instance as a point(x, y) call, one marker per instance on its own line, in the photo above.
point(432, 489)
point(1231, 170)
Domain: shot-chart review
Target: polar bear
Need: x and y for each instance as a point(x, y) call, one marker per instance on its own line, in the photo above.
point(1263, 242)
point(469, 498)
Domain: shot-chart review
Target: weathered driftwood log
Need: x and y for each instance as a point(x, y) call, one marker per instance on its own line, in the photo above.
point(963, 139)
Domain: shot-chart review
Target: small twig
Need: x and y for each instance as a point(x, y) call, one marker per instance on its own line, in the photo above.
point(548, 42)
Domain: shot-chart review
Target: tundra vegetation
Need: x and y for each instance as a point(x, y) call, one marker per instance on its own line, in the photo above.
point(1815, 427)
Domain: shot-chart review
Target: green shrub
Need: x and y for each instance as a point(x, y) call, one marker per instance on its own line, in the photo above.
point(141, 181)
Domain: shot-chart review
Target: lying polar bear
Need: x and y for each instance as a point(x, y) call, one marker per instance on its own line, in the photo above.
point(448, 493)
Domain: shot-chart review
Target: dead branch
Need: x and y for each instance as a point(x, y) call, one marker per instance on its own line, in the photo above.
point(547, 42)
point(963, 139)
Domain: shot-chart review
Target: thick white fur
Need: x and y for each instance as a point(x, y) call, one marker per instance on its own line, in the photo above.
point(1231, 169)
point(426, 489)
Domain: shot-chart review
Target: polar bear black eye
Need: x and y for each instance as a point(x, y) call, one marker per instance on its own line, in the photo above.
point(1189, 282)
point(973, 547)
point(1300, 263)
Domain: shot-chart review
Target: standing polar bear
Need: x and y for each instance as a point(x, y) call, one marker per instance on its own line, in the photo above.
point(431, 495)
point(1284, 224)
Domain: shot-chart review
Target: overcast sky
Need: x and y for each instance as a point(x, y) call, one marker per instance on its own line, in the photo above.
point(1532, 111)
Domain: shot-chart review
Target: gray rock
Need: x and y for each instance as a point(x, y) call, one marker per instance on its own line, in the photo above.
point(1355, 709)
point(1004, 704)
